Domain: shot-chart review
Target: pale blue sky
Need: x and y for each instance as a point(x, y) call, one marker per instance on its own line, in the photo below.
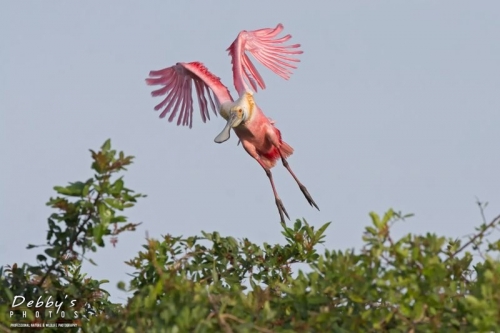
point(394, 104)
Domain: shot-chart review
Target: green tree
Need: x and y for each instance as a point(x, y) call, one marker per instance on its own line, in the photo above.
point(215, 283)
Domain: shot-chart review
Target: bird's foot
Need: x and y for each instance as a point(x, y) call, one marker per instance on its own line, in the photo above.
point(308, 196)
point(281, 210)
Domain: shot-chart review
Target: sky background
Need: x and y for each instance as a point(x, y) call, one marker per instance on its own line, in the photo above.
point(394, 104)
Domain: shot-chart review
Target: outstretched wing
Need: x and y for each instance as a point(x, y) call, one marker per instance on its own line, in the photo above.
point(265, 47)
point(177, 82)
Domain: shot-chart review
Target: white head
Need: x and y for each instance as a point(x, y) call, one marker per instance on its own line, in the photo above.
point(236, 113)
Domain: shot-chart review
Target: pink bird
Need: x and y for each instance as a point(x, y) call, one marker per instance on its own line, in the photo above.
point(257, 133)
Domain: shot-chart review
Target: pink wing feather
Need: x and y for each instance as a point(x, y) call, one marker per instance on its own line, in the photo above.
point(177, 84)
point(264, 46)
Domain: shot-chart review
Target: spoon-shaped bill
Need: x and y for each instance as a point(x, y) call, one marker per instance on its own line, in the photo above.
point(226, 132)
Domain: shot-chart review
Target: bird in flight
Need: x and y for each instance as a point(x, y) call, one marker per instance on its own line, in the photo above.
point(256, 132)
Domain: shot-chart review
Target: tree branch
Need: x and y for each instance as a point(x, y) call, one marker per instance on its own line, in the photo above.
point(72, 242)
point(478, 235)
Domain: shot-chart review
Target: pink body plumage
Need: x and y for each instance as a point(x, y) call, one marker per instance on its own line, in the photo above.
point(257, 133)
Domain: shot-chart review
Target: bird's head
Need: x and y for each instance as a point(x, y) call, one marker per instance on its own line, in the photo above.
point(236, 114)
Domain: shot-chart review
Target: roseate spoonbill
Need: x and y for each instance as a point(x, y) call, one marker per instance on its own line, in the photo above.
point(257, 133)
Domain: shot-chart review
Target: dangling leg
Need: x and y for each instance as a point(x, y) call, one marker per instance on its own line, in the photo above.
point(250, 149)
point(301, 186)
point(279, 203)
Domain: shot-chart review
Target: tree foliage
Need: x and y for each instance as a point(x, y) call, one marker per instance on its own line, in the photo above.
point(215, 283)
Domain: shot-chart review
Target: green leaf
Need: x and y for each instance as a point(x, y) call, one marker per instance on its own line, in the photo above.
point(473, 301)
point(41, 257)
point(74, 189)
point(105, 214)
point(287, 232)
point(10, 295)
point(375, 220)
point(387, 216)
point(51, 252)
point(297, 225)
point(117, 186)
point(309, 231)
point(356, 298)
point(320, 231)
point(418, 311)
point(86, 190)
point(98, 233)
point(121, 286)
point(107, 145)
point(115, 203)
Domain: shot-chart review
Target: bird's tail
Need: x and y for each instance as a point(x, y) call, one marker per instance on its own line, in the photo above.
point(269, 158)
point(286, 149)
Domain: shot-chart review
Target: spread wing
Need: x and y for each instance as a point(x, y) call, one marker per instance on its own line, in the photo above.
point(177, 82)
point(268, 50)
